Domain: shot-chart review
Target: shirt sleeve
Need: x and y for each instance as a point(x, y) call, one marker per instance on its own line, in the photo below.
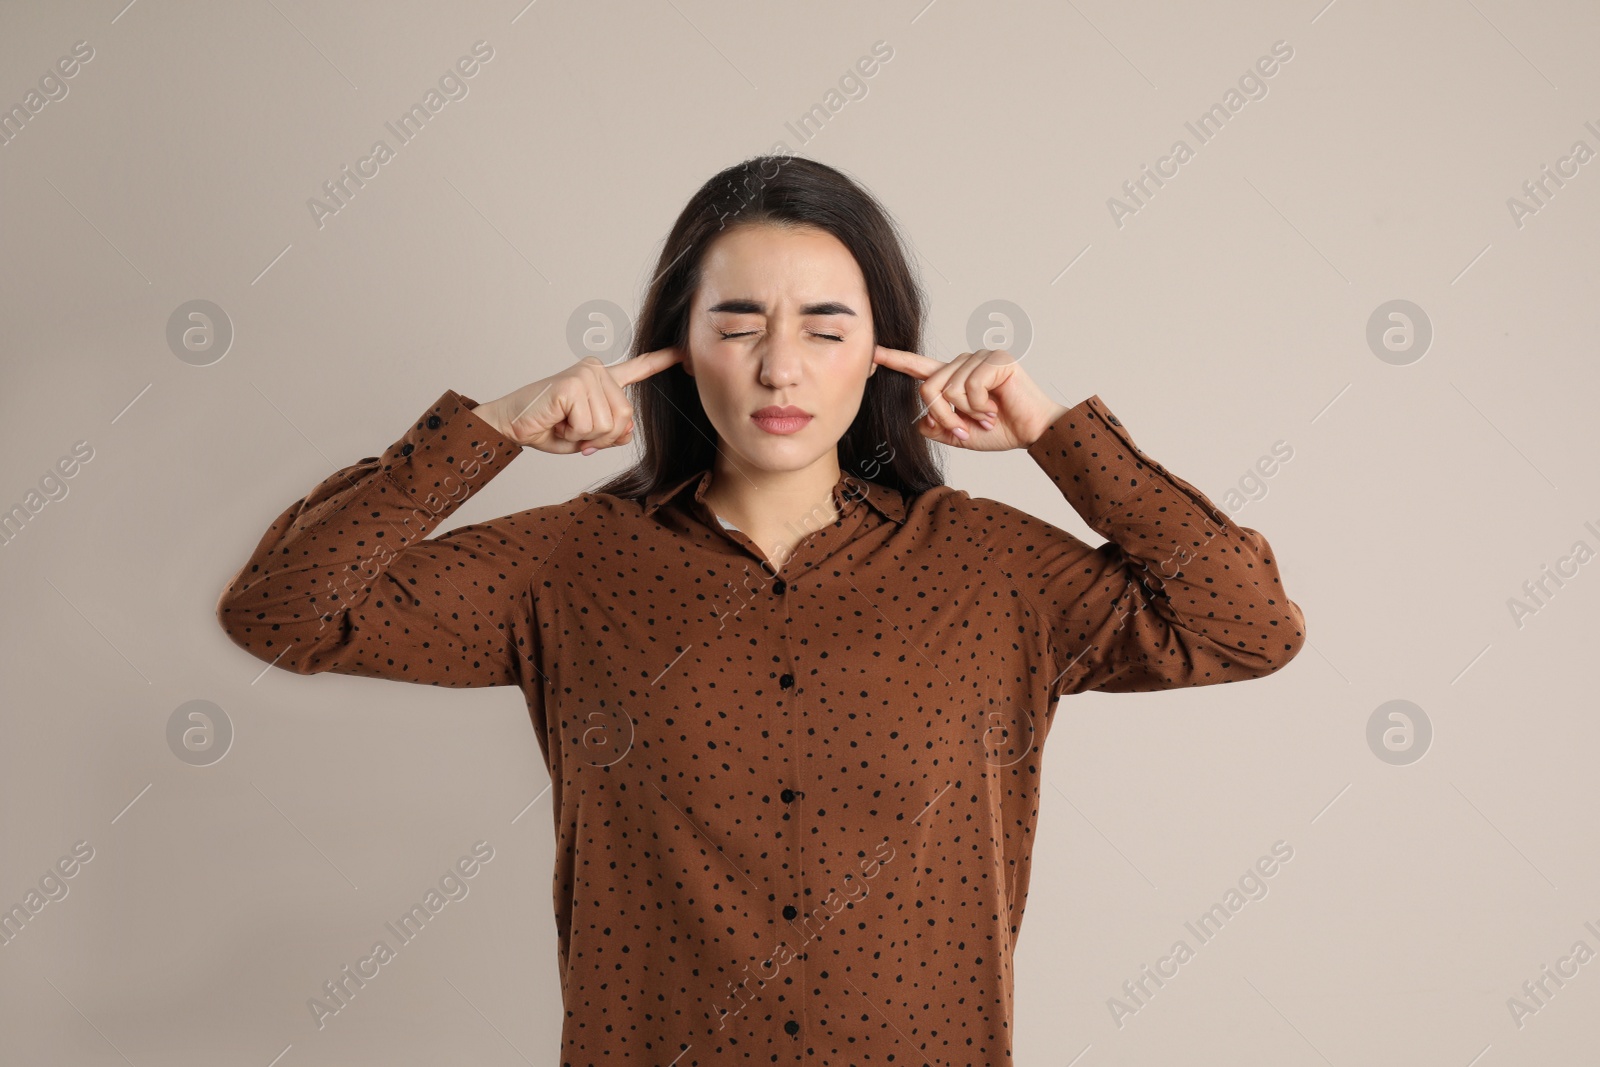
point(346, 580)
point(1180, 595)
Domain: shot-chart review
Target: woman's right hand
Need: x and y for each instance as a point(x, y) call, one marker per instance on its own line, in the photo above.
point(582, 408)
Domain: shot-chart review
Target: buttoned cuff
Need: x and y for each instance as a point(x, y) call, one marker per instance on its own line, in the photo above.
point(447, 455)
point(1095, 464)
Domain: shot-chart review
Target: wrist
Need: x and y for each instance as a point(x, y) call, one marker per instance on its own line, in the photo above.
point(1049, 421)
point(490, 414)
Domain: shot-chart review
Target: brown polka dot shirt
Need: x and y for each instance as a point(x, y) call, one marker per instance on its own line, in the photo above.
point(794, 814)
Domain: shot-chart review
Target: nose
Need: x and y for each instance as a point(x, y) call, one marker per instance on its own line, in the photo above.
point(781, 360)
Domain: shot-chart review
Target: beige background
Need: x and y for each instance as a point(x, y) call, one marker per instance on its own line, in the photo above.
point(1228, 314)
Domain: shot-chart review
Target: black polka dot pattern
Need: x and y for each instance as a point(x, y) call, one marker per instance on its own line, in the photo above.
point(794, 817)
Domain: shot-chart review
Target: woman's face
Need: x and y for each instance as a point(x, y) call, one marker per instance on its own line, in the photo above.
point(781, 319)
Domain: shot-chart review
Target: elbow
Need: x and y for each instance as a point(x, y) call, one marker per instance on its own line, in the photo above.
point(227, 609)
point(1278, 660)
point(230, 615)
point(1280, 640)
point(252, 631)
point(1286, 637)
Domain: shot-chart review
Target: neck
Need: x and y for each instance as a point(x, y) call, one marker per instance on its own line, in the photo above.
point(775, 508)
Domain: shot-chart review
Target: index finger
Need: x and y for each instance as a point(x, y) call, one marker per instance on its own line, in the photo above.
point(640, 367)
point(918, 366)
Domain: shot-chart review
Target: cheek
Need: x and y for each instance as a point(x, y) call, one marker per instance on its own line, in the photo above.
point(858, 366)
point(846, 379)
point(714, 380)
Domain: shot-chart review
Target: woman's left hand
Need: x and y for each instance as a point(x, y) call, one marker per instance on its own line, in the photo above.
point(985, 395)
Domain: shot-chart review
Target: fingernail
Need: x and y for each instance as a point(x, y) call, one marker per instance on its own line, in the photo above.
point(961, 433)
point(591, 450)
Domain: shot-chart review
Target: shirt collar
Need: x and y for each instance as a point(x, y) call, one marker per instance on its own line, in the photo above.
point(846, 490)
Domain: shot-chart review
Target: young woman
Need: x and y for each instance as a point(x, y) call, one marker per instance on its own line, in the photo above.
point(792, 690)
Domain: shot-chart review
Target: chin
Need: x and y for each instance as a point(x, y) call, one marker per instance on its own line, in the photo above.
point(782, 453)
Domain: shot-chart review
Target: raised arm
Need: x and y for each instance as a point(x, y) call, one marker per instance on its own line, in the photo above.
point(1179, 595)
point(346, 579)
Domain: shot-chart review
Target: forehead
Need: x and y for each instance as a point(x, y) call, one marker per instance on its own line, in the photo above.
point(787, 265)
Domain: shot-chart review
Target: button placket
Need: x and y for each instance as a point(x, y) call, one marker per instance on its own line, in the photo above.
point(816, 547)
point(797, 835)
point(796, 843)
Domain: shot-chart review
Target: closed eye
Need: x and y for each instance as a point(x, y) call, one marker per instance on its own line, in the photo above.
point(746, 333)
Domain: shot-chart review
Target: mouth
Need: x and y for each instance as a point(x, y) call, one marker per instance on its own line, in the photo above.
point(781, 420)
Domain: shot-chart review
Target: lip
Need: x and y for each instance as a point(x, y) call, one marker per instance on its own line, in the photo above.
point(781, 420)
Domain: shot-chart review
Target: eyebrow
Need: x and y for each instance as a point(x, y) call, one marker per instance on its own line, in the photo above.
point(755, 307)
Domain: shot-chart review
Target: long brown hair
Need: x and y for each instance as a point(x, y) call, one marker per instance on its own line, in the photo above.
point(882, 444)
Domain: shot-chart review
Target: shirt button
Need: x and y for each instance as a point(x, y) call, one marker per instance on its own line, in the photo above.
point(406, 449)
point(787, 796)
point(791, 1027)
point(790, 911)
point(778, 587)
point(433, 422)
point(785, 681)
